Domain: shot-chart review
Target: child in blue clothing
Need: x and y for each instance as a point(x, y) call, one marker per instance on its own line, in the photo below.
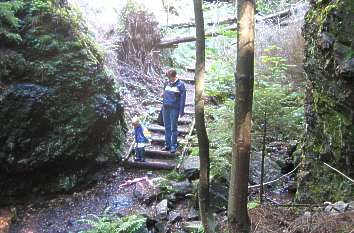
point(142, 136)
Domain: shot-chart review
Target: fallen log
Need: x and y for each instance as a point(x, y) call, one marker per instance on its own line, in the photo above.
point(170, 42)
point(192, 24)
point(274, 18)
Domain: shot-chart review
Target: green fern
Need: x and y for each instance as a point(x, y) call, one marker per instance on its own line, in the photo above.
point(9, 22)
point(109, 224)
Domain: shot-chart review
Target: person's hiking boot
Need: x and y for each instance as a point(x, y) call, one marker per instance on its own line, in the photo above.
point(136, 159)
point(166, 148)
point(173, 150)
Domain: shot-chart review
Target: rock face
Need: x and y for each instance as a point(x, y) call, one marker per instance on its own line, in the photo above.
point(329, 102)
point(271, 168)
point(58, 105)
point(191, 167)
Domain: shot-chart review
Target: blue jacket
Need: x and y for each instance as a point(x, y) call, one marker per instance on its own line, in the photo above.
point(139, 135)
point(174, 95)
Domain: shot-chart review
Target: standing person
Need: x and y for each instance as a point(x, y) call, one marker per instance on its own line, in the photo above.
point(174, 99)
point(142, 136)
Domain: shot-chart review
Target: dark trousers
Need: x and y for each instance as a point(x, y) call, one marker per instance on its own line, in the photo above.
point(139, 153)
point(170, 118)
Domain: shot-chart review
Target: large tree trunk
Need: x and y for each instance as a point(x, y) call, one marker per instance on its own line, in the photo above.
point(203, 140)
point(238, 220)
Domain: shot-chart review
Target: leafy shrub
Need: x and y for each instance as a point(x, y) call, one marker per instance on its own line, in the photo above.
point(271, 6)
point(177, 176)
point(275, 95)
point(9, 23)
point(107, 224)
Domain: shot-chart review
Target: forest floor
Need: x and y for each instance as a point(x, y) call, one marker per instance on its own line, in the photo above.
point(65, 212)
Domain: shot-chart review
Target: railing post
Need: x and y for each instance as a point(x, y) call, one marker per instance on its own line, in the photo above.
point(263, 155)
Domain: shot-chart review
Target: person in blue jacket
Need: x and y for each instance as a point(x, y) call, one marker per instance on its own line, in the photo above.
point(174, 99)
point(142, 136)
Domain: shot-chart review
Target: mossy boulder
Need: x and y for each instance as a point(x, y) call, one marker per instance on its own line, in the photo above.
point(329, 102)
point(58, 104)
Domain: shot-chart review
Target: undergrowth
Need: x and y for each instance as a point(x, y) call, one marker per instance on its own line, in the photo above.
point(109, 224)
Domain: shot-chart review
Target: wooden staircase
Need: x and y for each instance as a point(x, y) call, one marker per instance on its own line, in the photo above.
point(155, 157)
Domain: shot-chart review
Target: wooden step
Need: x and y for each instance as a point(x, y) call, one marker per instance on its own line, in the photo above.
point(181, 121)
point(189, 110)
point(159, 154)
point(190, 69)
point(187, 80)
point(160, 140)
point(185, 120)
point(159, 128)
point(151, 164)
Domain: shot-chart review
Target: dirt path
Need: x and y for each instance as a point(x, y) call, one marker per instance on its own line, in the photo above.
point(61, 214)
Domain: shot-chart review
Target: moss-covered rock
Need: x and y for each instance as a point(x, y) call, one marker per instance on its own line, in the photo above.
point(329, 103)
point(58, 105)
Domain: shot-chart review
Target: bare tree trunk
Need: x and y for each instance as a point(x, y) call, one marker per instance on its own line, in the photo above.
point(238, 220)
point(203, 140)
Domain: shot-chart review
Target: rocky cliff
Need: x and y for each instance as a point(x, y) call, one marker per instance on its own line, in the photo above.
point(59, 107)
point(329, 103)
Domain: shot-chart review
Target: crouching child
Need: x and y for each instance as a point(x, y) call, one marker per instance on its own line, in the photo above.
point(142, 138)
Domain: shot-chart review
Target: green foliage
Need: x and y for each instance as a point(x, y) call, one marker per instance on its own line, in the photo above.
point(194, 151)
point(324, 185)
point(165, 187)
point(109, 224)
point(284, 110)
point(131, 6)
point(220, 136)
point(252, 205)
point(214, 10)
point(38, 6)
point(220, 167)
point(220, 79)
point(175, 175)
point(276, 64)
point(272, 6)
point(53, 50)
point(275, 95)
point(183, 55)
point(9, 22)
point(220, 127)
point(195, 228)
